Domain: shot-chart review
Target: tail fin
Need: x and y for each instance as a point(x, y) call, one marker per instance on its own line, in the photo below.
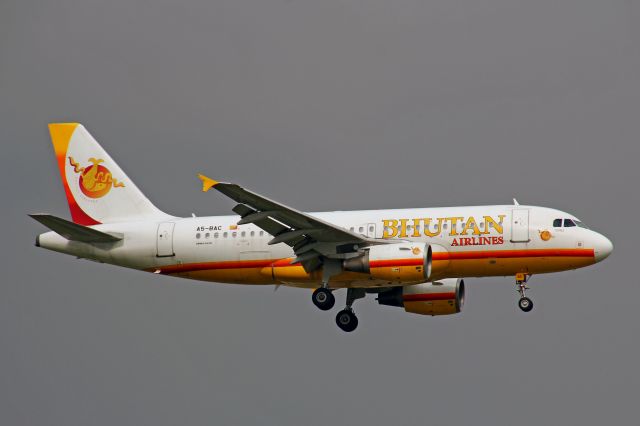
point(97, 189)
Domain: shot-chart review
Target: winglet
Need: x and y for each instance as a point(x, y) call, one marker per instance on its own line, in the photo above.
point(207, 183)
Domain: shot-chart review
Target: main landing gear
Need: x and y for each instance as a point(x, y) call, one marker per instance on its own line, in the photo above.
point(525, 304)
point(323, 298)
point(346, 319)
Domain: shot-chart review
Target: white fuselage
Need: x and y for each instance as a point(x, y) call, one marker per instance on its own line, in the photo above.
point(467, 242)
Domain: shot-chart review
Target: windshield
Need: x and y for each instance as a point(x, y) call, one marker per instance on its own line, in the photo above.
point(568, 223)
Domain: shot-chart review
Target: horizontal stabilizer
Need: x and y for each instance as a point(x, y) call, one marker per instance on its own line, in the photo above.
point(73, 231)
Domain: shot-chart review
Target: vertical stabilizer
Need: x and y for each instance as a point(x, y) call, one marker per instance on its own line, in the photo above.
point(97, 189)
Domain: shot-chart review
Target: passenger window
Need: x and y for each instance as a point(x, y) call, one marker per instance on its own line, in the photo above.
point(225, 234)
point(361, 229)
point(198, 235)
point(253, 233)
point(216, 235)
point(557, 223)
point(243, 233)
point(233, 234)
point(261, 233)
point(371, 229)
point(207, 235)
point(568, 223)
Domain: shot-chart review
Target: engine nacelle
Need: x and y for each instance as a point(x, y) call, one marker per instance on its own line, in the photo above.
point(394, 263)
point(442, 297)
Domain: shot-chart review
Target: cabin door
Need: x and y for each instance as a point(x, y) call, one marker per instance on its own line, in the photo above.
point(165, 239)
point(520, 225)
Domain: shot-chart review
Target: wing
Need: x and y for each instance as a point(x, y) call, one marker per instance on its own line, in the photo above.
point(312, 239)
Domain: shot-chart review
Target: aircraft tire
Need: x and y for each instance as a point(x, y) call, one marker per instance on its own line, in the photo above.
point(323, 299)
point(347, 320)
point(525, 304)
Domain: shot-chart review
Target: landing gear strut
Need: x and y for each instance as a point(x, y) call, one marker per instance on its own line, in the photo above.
point(525, 304)
point(346, 318)
point(322, 297)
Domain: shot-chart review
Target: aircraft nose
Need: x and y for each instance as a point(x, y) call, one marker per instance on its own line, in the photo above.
point(602, 247)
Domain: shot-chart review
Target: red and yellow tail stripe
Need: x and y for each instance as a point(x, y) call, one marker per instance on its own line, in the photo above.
point(61, 134)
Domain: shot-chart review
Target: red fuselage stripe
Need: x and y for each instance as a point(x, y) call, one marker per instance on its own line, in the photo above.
point(471, 255)
point(500, 254)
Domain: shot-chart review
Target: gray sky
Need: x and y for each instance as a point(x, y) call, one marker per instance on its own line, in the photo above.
point(323, 105)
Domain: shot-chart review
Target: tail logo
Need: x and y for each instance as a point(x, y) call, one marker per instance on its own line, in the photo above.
point(95, 180)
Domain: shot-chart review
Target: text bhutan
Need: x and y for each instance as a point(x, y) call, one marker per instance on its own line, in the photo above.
point(449, 226)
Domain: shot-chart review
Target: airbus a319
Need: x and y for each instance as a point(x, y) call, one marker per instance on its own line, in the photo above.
point(415, 259)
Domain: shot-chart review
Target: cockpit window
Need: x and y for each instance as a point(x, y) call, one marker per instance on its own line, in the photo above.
point(580, 224)
point(557, 223)
point(568, 223)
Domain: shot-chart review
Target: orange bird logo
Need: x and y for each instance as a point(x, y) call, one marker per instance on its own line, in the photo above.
point(95, 180)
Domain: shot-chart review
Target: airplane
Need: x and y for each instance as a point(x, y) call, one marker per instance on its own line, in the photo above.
point(416, 259)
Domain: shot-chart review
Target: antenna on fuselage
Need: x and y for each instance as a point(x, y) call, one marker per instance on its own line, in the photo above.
point(515, 202)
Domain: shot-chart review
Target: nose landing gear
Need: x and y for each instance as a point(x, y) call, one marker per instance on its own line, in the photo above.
point(524, 303)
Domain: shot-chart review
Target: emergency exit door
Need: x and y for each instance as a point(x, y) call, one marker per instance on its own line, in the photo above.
point(371, 230)
point(520, 225)
point(366, 229)
point(165, 239)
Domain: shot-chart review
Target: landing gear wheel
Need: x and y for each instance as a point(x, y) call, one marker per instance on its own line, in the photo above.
point(323, 299)
point(347, 320)
point(525, 304)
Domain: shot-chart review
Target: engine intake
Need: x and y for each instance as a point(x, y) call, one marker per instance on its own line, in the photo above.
point(444, 297)
point(394, 263)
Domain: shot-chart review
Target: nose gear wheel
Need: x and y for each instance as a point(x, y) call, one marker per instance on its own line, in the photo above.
point(524, 303)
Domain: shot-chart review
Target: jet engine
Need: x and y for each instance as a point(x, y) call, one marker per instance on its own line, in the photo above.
point(442, 297)
point(394, 263)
